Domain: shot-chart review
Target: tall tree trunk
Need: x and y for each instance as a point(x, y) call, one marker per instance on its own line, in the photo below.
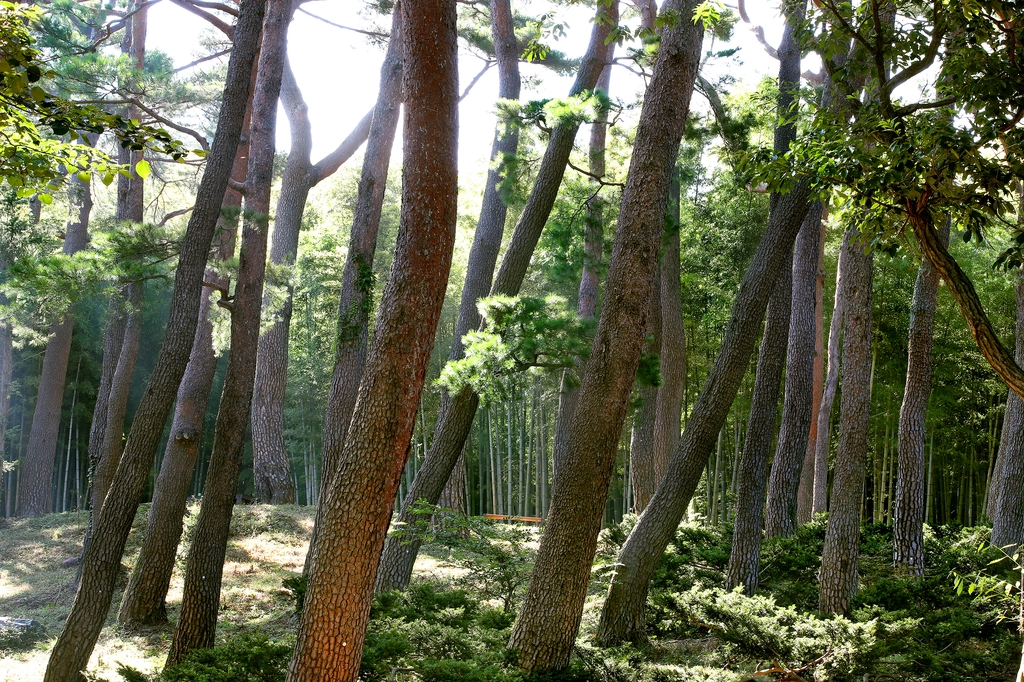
point(117, 401)
point(546, 629)
point(838, 575)
point(673, 341)
point(357, 280)
point(358, 498)
point(805, 497)
point(6, 377)
point(113, 338)
point(622, 613)
point(456, 416)
point(590, 278)
point(271, 471)
point(821, 447)
point(784, 484)
point(745, 559)
point(36, 475)
point(200, 604)
point(1008, 516)
point(645, 473)
point(102, 558)
point(908, 508)
point(144, 598)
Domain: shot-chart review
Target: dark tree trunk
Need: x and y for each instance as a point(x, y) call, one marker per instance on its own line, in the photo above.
point(356, 504)
point(144, 598)
point(34, 491)
point(838, 575)
point(590, 278)
point(644, 472)
point(101, 562)
point(546, 629)
point(357, 279)
point(113, 337)
point(200, 603)
point(6, 376)
point(622, 613)
point(673, 341)
point(456, 416)
point(1008, 513)
point(805, 498)
point(271, 471)
point(117, 399)
point(908, 507)
point(784, 484)
point(745, 559)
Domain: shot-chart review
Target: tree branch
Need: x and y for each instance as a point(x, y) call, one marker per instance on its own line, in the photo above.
point(226, 28)
point(202, 59)
point(372, 34)
point(326, 166)
point(487, 65)
point(173, 214)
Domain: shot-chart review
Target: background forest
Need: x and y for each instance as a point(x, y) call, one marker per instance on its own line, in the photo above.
point(769, 393)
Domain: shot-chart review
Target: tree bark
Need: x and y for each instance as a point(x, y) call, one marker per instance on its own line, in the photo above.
point(623, 609)
point(271, 471)
point(784, 484)
point(356, 503)
point(34, 489)
point(144, 598)
point(544, 633)
point(805, 497)
point(668, 419)
point(1008, 513)
point(454, 423)
point(102, 558)
point(745, 559)
point(837, 577)
point(644, 472)
point(200, 604)
point(113, 338)
point(117, 400)
point(908, 507)
point(357, 280)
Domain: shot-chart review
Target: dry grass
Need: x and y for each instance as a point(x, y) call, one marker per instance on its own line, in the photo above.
point(267, 544)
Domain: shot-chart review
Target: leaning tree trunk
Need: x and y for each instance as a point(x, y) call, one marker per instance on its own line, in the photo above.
point(623, 610)
point(544, 633)
point(1008, 517)
point(644, 472)
point(271, 471)
point(144, 600)
point(908, 507)
point(805, 498)
point(34, 479)
point(117, 399)
point(838, 575)
point(200, 602)
point(784, 484)
point(357, 279)
point(101, 564)
point(356, 504)
point(673, 341)
point(745, 558)
point(454, 423)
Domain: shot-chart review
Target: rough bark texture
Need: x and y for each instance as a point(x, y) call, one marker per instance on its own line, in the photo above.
point(200, 602)
point(117, 399)
point(356, 506)
point(805, 497)
point(357, 279)
point(784, 484)
point(828, 396)
point(908, 507)
point(644, 472)
point(668, 420)
point(101, 562)
point(837, 577)
point(456, 417)
point(623, 609)
point(1008, 514)
point(34, 490)
point(545, 631)
point(144, 598)
point(745, 558)
point(271, 471)
point(113, 337)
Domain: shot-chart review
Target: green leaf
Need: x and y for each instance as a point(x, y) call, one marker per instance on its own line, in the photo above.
point(143, 169)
